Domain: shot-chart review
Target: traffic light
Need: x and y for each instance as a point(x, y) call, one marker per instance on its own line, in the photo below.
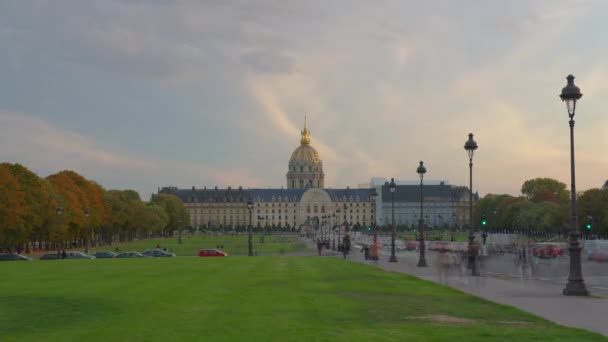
point(369, 229)
point(589, 222)
point(484, 221)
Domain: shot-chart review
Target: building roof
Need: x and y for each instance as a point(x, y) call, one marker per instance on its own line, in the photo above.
point(411, 193)
point(261, 195)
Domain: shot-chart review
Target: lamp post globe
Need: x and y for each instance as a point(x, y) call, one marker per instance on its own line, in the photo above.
point(86, 240)
point(576, 285)
point(249, 234)
point(392, 187)
point(421, 170)
point(374, 197)
point(470, 146)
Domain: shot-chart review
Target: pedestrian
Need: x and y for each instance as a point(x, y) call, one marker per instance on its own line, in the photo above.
point(365, 250)
point(58, 254)
point(64, 254)
point(443, 261)
point(319, 246)
point(345, 246)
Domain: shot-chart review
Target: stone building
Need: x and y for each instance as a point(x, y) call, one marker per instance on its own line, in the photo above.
point(305, 202)
point(444, 205)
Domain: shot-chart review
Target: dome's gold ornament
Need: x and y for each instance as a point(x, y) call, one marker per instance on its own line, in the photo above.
point(305, 135)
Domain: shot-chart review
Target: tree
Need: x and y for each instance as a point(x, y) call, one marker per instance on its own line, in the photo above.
point(36, 199)
point(594, 203)
point(13, 210)
point(175, 209)
point(545, 190)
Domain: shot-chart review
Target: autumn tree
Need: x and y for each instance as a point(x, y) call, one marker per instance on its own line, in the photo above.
point(545, 190)
point(175, 209)
point(13, 210)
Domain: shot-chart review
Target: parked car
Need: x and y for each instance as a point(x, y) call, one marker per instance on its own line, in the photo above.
point(599, 255)
point(50, 256)
point(130, 255)
point(78, 255)
point(547, 250)
point(211, 253)
point(157, 253)
point(105, 255)
point(14, 257)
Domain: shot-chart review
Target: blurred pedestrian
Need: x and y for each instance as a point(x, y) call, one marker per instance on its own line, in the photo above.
point(365, 250)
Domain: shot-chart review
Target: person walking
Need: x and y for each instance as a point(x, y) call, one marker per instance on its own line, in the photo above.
point(345, 246)
point(365, 250)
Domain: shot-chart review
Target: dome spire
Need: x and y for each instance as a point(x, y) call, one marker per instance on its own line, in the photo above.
point(305, 134)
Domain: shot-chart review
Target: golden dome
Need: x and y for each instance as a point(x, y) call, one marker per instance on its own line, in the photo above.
point(305, 154)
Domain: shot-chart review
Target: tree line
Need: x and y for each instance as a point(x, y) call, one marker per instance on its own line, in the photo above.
point(544, 206)
point(67, 210)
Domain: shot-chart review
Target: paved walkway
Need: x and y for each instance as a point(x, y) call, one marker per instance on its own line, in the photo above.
point(539, 297)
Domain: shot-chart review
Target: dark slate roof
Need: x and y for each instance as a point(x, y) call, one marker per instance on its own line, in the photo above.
point(207, 195)
point(411, 193)
point(263, 195)
point(339, 194)
point(267, 195)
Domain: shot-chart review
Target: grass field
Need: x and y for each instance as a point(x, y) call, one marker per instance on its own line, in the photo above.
point(233, 245)
point(248, 299)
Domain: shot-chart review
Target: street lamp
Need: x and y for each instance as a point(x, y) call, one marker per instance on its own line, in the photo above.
point(470, 146)
point(421, 170)
point(576, 284)
point(453, 226)
point(86, 243)
point(374, 196)
point(249, 238)
point(179, 227)
point(392, 187)
point(333, 232)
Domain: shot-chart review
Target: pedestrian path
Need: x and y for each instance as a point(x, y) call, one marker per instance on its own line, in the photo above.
point(541, 298)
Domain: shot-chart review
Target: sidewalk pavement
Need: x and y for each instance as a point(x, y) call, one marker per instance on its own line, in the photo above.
point(542, 298)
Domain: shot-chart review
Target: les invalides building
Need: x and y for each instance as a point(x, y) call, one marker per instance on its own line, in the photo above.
point(306, 203)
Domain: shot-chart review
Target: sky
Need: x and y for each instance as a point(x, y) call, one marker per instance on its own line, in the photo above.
point(144, 94)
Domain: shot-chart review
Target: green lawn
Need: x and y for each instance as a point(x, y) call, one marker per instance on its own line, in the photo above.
point(233, 245)
point(248, 299)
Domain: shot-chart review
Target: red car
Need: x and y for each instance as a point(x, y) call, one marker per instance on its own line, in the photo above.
point(598, 255)
point(211, 253)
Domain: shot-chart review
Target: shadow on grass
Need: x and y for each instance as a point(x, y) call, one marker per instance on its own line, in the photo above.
point(52, 313)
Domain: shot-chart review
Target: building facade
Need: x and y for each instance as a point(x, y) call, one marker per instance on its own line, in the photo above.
point(443, 206)
point(306, 204)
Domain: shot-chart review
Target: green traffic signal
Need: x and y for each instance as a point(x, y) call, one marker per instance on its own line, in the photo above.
point(484, 222)
point(588, 225)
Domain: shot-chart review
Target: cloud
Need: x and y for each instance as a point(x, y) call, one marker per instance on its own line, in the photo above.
point(46, 148)
point(384, 85)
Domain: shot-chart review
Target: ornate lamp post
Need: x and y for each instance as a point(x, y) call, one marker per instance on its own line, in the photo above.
point(339, 225)
point(249, 237)
point(392, 186)
point(421, 170)
point(179, 227)
point(333, 232)
point(576, 285)
point(470, 146)
point(374, 196)
point(86, 243)
point(59, 214)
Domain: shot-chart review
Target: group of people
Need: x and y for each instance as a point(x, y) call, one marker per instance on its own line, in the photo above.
point(62, 254)
point(343, 246)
